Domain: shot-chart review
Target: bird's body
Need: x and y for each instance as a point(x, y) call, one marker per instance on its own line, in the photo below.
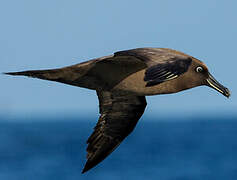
point(122, 81)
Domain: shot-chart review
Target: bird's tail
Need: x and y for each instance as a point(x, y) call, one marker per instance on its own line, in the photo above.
point(68, 75)
point(41, 74)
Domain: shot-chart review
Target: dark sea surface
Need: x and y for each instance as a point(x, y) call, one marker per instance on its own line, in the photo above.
point(201, 149)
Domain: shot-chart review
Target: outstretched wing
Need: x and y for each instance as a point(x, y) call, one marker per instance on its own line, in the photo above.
point(119, 116)
point(162, 64)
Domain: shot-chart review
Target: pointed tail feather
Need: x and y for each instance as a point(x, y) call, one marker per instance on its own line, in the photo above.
point(77, 75)
point(67, 75)
point(34, 73)
point(52, 74)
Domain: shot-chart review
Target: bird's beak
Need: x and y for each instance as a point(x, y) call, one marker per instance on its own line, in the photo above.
point(213, 83)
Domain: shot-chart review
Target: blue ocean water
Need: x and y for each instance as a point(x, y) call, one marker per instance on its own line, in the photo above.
point(203, 149)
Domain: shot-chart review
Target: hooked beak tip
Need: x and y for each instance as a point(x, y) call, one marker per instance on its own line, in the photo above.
point(213, 83)
point(227, 93)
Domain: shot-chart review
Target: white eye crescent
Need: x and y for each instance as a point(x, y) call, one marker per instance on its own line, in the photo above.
point(199, 69)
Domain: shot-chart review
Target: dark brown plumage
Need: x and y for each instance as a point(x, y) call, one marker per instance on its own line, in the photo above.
point(119, 116)
point(122, 81)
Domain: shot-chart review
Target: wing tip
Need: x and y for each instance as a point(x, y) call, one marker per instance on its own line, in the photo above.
point(84, 170)
point(87, 167)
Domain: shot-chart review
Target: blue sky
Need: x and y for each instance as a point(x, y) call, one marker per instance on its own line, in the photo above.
point(49, 34)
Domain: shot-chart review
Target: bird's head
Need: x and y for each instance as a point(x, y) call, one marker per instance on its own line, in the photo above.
point(198, 75)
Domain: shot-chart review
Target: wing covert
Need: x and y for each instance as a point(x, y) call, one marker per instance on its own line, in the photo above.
point(168, 70)
point(162, 64)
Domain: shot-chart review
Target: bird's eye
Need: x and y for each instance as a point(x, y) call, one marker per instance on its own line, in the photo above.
point(199, 69)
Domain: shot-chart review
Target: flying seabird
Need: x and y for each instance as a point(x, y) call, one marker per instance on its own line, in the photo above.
point(122, 81)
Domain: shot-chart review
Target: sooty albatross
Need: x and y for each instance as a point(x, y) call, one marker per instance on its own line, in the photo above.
point(122, 81)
